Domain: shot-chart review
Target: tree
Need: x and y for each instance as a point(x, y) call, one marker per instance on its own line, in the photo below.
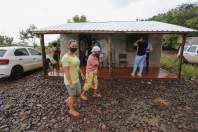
point(6, 41)
point(77, 19)
point(27, 35)
point(50, 44)
point(184, 15)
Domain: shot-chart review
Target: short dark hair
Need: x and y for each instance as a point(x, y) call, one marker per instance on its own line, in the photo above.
point(70, 41)
point(54, 44)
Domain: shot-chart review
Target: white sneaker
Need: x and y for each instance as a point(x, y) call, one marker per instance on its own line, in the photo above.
point(139, 75)
point(133, 75)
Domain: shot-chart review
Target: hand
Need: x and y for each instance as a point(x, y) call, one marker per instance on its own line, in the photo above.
point(71, 84)
point(83, 76)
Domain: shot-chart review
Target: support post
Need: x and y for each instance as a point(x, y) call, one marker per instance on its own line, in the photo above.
point(110, 55)
point(42, 42)
point(181, 55)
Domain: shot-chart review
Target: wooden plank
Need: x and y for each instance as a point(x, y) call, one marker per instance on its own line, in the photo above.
point(110, 55)
point(181, 56)
point(42, 42)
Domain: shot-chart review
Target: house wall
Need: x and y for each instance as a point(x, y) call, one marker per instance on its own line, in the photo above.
point(119, 47)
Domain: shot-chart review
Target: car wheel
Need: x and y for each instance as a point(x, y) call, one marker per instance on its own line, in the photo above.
point(17, 73)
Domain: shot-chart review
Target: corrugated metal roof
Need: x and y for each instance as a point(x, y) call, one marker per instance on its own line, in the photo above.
point(116, 27)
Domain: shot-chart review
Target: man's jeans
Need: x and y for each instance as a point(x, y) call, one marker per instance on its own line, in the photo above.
point(139, 62)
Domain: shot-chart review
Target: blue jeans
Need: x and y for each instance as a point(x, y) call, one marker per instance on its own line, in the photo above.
point(139, 62)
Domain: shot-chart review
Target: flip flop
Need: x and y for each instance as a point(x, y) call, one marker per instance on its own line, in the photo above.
point(74, 114)
point(83, 98)
point(97, 95)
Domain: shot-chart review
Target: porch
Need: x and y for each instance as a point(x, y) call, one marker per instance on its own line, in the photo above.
point(124, 73)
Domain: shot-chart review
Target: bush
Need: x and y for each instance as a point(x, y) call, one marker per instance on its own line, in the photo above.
point(171, 63)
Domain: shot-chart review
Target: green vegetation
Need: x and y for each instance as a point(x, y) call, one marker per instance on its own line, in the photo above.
point(184, 15)
point(170, 63)
point(77, 19)
point(27, 35)
point(6, 41)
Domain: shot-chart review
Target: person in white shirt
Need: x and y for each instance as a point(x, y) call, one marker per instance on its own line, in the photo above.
point(148, 50)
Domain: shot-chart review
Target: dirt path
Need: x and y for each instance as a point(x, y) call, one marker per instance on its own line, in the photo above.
point(36, 104)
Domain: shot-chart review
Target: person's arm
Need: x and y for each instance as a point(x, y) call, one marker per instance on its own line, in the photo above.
point(81, 73)
point(149, 47)
point(67, 74)
point(66, 69)
point(136, 43)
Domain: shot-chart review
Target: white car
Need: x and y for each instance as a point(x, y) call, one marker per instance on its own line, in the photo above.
point(191, 54)
point(14, 61)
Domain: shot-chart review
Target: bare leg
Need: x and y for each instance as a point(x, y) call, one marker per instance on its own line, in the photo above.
point(83, 96)
point(70, 103)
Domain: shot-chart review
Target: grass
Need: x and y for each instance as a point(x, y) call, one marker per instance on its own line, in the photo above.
point(170, 63)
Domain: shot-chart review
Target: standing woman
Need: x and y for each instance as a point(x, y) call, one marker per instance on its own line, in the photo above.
point(56, 57)
point(91, 81)
point(140, 57)
point(71, 63)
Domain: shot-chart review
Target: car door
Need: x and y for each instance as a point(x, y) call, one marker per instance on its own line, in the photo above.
point(23, 58)
point(191, 54)
point(36, 57)
point(196, 56)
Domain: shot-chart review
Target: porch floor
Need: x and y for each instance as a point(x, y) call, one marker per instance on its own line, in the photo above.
point(125, 73)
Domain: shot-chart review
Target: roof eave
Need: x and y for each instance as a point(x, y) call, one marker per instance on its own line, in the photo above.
point(113, 32)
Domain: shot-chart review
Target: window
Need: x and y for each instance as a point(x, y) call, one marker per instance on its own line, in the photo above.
point(33, 52)
point(2, 52)
point(192, 49)
point(21, 52)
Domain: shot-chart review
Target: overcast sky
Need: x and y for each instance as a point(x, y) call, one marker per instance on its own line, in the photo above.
point(16, 15)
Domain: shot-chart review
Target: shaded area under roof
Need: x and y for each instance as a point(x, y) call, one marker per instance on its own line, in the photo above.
point(115, 27)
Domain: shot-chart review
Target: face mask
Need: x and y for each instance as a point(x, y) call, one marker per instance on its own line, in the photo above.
point(73, 50)
point(97, 54)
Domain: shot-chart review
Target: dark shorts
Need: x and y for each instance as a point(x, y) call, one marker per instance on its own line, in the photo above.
point(75, 89)
point(56, 57)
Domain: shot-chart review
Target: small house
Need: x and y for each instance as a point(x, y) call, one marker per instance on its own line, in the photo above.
point(116, 41)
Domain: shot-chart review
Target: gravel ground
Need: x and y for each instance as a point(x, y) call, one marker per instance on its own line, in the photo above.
point(36, 104)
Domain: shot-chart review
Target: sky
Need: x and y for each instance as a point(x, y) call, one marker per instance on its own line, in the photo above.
point(16, 15)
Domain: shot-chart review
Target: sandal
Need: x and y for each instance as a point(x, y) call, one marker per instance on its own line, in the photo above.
point(96, 95)
point(83, 97)
point(74, 113)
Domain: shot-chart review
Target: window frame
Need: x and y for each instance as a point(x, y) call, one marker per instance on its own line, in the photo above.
point(3, 53)
point(195, 48)
point(29, 49)
point(21, 49)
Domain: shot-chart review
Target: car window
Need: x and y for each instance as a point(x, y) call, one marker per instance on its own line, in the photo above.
point(192, 49)
point(2, 52)
point(34, 52)
point(21, 52)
